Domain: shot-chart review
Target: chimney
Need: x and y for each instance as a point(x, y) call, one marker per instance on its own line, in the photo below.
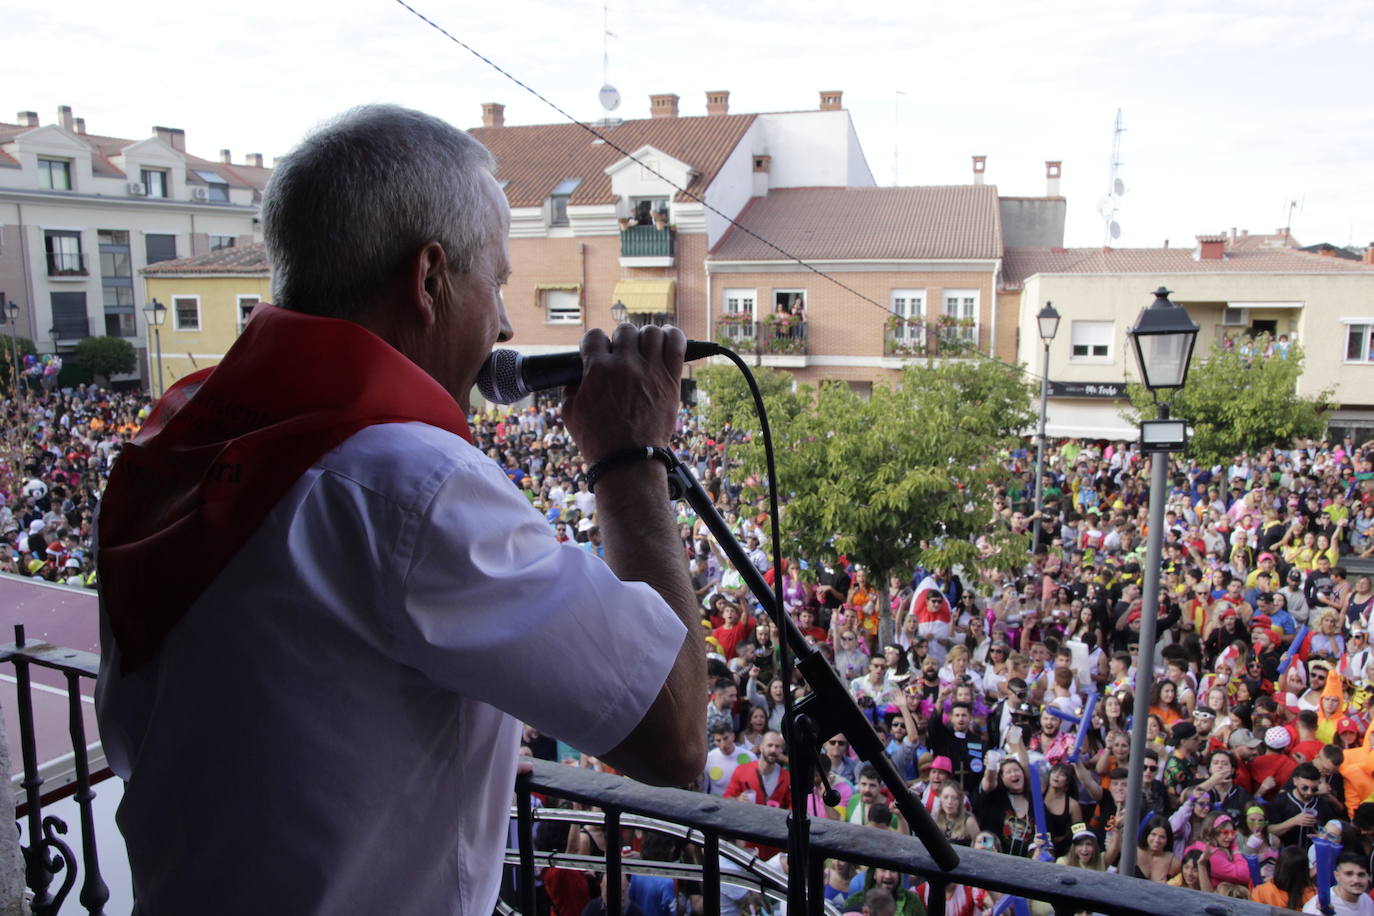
point(762, 162)
point(81, 126)
point(1166, 243)
point(493, 114)
point(254, 159)
point(1327, 252)
point(1052, 170)
point(830, 101)
point(225, 157)
point(1211, 247)
point(718, 102)
point(28, 118)
point(1369, 254)
point(980, 165)
point(1233, 235)
point(64, 117)
point(174, 137)
point(1283, 233)
point(663, 106)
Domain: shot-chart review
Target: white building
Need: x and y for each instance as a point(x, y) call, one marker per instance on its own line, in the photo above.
point(81, 214)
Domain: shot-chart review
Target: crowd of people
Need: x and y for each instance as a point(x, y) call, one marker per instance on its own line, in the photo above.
point(989, 690)
point(59, 446)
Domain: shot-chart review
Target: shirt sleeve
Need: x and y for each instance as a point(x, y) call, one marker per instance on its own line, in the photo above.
point(493, 607)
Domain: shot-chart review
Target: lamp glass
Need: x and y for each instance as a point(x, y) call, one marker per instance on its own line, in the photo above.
point(1048, 319)
point(156, 312)
point(619, 313)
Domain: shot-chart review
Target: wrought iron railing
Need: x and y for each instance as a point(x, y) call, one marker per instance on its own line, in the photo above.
point(647, 242)
point(47, 854)
point(707, 819)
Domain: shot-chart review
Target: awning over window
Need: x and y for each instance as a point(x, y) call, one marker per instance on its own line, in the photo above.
point(571, 287)
point(647, 294)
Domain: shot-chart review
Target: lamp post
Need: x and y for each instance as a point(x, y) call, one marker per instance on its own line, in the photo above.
point(11, 314)
point(1048, 319)
point(1163, 338)
point(157, 313)
point(619, 313)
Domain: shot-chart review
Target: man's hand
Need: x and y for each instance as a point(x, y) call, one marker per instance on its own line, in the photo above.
point(629, 392)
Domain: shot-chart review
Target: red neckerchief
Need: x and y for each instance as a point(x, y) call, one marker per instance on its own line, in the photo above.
point(225, 444)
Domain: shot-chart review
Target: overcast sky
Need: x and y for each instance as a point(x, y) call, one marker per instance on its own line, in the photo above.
point(1232, 109)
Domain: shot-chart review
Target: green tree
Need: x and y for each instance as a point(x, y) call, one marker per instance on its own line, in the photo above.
point(103, 357)
point(728, 402)
point(26, 348)
point(1237, 403)
point(905, 477)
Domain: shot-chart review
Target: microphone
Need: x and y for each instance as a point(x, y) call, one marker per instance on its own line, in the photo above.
point(508, 376)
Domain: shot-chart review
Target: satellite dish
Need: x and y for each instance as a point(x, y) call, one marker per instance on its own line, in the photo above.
point(610, 97)
point(1118, 187)
point(1106, 207)
point(1115, 229)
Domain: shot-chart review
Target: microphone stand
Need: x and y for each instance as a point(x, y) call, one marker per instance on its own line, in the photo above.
point(829, 709)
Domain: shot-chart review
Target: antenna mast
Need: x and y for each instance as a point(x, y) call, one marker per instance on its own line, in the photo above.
point(1107, 207)
point(609, 95)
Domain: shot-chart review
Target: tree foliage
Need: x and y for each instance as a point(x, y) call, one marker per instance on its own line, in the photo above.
point(1237, 403)
point(106, 356)
point(728, 402)
point(903, 478)
point(26, 348)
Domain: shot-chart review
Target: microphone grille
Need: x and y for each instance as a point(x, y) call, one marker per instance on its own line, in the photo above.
point(499, 378)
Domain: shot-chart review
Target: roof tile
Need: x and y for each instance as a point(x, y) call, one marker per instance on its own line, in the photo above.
point(958, 221)
point(240, 259)
point(1021, 263)
point(533, 159)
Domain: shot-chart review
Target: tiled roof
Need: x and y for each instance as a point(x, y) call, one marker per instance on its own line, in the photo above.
point(104, 149)
point(8, 161)
point(1277, 240)
point(1021, 263)
point(534, 159)
point(959, 221)
point(241, 259)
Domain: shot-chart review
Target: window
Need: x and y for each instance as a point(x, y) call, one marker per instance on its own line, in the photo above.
point(69, 319)
point(737, 318)
point(160, 247)
point(790, 302)
point(120, 324)
point(562, 306)
point(54, 174)
point(114, 263)
point(1092, 340)
point(909, 304)
point(558, 201)
point(642, 209)
point(118, 298)
point(63, 247)
point(246, 306)
point(154, 182)
point(960, 315)
point(186, 310)
point(219, 188)
point(221, 241)
point(1359, 347)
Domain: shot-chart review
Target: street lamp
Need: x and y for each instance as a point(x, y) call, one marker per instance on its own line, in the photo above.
point(619, 313)
point(157, 313)
point(1048, 319)
point(1163, 338)
point(11, 314)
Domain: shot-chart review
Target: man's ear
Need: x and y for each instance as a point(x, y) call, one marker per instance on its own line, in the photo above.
point(427, 274)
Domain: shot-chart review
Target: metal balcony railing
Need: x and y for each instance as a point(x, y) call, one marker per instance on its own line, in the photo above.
point(647, 242)
point(701, 821)
point(768, 337)
point(66, 264)
point(782, 335)
point(704, 820)
point(47, 854)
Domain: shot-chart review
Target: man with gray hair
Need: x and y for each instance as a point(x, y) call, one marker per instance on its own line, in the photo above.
point(313, 585)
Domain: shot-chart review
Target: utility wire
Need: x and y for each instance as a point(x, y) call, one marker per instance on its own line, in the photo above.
point(963, 352)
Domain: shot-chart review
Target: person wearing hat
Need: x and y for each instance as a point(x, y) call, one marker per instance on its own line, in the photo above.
point(1271, 769)
point(1293, 597)
point(1243, 744)
point(941, 770)
point(1085, 851)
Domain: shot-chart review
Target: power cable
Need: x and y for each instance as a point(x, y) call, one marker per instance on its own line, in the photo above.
point(963, 351)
